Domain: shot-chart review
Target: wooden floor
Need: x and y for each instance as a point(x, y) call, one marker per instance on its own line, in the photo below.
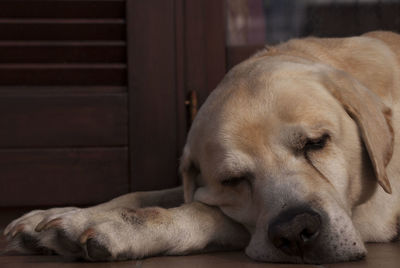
point(379, 256)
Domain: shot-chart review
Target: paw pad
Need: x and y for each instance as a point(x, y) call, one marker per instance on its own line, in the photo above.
point(97, 251)
point(68, 244)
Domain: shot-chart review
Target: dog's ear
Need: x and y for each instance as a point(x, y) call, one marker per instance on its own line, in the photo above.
point(372, 116)
point(188, 172)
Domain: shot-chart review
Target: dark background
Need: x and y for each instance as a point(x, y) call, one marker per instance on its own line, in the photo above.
point(96, 96)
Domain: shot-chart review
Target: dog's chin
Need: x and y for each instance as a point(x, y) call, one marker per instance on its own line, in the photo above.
point(324, 258)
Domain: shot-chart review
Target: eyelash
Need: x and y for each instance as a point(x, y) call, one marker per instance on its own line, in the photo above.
point(316, 144)
point(232, 182)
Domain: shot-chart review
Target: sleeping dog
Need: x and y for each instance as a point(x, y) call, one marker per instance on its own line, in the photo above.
point(293, 158)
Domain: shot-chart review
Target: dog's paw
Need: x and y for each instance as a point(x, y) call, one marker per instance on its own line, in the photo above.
point(116, 234)
point(21, 234)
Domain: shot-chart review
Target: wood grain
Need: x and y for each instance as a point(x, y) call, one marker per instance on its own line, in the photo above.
point(64, 176)
point(152, 93)
point(67, 120)
point(204, 46)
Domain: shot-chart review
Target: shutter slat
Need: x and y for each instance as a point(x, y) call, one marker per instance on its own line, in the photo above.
point(53, 53)
point(62, 74)
point(58, 90)
point(62, 9)
point(65, 42)
point(62, 31)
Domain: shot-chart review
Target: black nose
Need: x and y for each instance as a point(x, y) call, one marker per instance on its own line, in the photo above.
point(294, 231)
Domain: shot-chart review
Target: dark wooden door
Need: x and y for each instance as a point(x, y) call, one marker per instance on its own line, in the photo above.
point(63, 102)
point(174, 48)
point(92, 94)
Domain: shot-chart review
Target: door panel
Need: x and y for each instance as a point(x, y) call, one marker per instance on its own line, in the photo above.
point(93, 93)
point(63, 102)
point(66, 176)
point(152, 90)
point(63, 121)
point(205, 46)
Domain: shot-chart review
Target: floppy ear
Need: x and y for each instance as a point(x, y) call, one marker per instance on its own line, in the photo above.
point(188, 173)
point(373, 118)
point(189, 186)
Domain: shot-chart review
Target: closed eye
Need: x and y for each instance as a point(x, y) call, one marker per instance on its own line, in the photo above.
point(316, 144)
point(234, 181)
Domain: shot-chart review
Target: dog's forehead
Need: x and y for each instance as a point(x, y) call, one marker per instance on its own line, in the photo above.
point(253, 103)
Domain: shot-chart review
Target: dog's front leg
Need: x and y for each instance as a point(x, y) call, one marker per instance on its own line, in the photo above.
point(23, 236)
point(166, 198)
point(121, 233)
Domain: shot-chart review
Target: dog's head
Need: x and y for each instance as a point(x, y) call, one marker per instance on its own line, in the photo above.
point(288, 148)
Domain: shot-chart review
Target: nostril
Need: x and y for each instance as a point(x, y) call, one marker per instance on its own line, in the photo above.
point(308, 235)
point(284, 245)
point(312, 225)
point(281, 242)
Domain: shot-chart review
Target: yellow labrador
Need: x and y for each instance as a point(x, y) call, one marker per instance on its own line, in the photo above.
point(294, 158)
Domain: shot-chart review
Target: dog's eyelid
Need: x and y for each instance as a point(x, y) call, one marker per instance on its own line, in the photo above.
point(236, 180)
point(316, 143)
point(233, 181)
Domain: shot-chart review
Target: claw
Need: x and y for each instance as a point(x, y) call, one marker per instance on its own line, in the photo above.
point(17, 229)
point(40, 225)
point(8, 229)
point(51, 224)
point(89, 233)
